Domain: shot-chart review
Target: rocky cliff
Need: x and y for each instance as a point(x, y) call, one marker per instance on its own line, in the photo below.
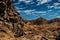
point(13, 27)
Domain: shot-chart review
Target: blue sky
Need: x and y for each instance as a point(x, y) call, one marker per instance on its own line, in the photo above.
point(33, 9)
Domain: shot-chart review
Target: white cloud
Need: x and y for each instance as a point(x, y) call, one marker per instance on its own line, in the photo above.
point(57, 7)
point(33, 12)
point(29, 12)
point(50, 6)
point(22, 0)
point(54, 15)
point(31, 1)
point(49, 10)
point(43, 12)
point(26, 1)
point(56, 4)
point(58, 16)
point(43, 1)
point(18, 11)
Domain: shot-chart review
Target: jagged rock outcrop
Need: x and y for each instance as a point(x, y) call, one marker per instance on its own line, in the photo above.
point(9, 18)
point(13, 27)
point(40, 21)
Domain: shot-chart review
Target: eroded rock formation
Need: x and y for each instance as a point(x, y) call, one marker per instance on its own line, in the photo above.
point(9, 18)
point(13, 27)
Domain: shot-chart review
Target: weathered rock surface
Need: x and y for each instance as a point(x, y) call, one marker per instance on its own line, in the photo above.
point(13, 27)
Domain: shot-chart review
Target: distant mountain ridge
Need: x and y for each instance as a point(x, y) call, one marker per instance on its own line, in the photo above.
point(42, 21)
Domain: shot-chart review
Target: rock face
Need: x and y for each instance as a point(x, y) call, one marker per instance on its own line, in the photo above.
point(9, 18)
point(13, 27)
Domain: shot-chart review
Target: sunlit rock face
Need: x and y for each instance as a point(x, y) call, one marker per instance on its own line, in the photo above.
point(10, 19)
point(33, 9)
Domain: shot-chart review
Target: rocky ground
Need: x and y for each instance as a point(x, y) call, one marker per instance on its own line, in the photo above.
point(13, 27)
